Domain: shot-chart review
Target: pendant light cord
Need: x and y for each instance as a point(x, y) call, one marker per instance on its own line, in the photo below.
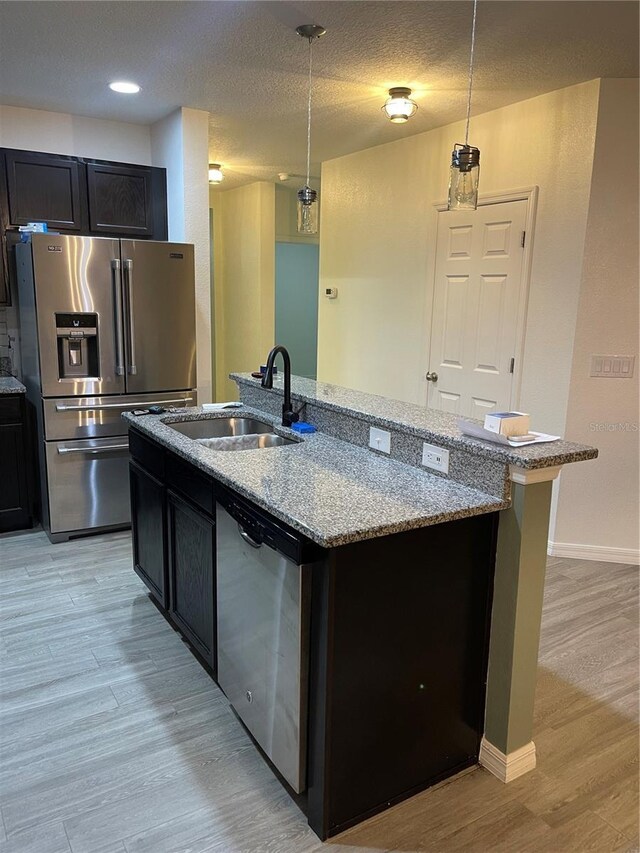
point(473, 44)
point(309, 112)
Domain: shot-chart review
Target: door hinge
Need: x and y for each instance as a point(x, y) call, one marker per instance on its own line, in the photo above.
point(523, 238)
point(512, 365)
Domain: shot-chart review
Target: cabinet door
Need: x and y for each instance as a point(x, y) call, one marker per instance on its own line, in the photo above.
point(14, 493)
point(192, 575)
point(43, 188)
point(120, 199)
point(149, 532)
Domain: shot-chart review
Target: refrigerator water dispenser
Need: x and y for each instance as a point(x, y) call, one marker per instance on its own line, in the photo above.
point(77, 336)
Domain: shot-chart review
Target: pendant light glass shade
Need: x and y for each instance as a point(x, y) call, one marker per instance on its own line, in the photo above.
point(463, 177)
point(465, 159)
point(307, 211)
point(399, 107)
point(215, 173)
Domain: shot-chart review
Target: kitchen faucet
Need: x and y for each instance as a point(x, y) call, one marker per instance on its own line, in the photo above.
point(288, 415)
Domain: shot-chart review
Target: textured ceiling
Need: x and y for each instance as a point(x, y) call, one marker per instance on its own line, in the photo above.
point(244, 64)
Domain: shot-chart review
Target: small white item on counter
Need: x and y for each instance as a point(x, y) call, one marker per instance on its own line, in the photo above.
point(507, 423)
point(218, 407)
point(475, 430)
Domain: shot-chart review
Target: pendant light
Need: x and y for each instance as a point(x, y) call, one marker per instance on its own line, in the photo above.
point(308, 198)
point(399, 107)
point(465, 159)
point(215, 173)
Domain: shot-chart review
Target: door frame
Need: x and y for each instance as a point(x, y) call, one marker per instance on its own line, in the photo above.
point(530, 195)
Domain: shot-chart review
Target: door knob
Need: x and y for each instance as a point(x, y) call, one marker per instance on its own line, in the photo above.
point(432, 376)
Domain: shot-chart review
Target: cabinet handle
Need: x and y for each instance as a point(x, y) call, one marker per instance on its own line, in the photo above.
point(248, 539)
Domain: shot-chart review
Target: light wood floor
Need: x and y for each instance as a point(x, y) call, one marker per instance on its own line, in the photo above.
point(114, 739)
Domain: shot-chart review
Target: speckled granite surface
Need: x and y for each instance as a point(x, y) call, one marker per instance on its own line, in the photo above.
point(426, 424)
point(10, 385)
point(329, 490)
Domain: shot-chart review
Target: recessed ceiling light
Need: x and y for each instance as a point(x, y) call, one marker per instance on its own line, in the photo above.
point(124, 87)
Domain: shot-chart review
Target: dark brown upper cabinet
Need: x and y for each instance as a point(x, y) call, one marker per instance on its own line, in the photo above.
point(120, 200)
point(44, 188)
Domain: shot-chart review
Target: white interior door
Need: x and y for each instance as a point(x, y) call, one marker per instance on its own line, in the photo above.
point(478, 287)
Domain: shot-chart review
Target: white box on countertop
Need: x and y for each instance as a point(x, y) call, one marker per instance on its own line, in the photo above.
point(507, 423)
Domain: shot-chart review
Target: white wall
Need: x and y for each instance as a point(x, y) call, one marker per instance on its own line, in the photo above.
point(180, 144)
point(76, 136)
point(244, 280)
point(598, 502)
point(378, 239)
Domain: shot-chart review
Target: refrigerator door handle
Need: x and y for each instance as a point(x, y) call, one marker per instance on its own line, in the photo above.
point(128, 283)
point(96, 407)
point(117, 301)
point(104, 448)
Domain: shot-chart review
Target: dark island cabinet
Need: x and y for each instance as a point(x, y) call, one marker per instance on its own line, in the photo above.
point(192, 575)
point(148, 532)
point(15, 503)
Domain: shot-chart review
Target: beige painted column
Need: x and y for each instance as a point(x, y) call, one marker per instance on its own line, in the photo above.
point(507, 748)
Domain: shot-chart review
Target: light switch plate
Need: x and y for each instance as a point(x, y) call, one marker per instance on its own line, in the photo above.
point(435, 457)
point(612, 366)
point(380, 439)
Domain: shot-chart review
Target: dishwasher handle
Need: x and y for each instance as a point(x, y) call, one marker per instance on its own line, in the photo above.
point(248, 539)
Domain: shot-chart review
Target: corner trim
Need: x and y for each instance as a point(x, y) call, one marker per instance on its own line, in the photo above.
point(524, 476)
point(603, 553)
point(507, 767)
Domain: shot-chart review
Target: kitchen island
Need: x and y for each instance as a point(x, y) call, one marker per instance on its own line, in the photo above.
point(373, 684)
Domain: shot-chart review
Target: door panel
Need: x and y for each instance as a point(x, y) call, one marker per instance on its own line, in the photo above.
point(479, 266)
point(160, 306)
point(120, 199)
point(149, 532)
point(43, 188)
point(192, 575)
point(88, 483)
point(74, 274)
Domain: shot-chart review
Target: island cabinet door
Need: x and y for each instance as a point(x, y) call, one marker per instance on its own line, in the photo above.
point(192, 575)
point(148, 532)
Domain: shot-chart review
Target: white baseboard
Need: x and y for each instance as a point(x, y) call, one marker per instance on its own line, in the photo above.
point(507, 767)
point(628, 556)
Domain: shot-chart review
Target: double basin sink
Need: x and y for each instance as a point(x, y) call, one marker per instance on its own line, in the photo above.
point(231, 433)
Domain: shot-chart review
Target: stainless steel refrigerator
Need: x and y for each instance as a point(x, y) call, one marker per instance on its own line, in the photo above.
point(107, 326)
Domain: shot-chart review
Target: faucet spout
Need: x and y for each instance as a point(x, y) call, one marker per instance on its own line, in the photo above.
point(288, 415)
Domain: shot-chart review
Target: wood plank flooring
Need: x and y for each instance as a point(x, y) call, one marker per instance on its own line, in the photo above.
point(115, 740)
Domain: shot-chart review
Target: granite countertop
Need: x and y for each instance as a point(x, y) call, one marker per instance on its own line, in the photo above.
point(331, 491)
point(428, 424)
point(11, 385)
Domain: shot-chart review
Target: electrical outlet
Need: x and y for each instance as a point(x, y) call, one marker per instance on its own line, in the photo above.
point(435, 457)
point(380, 439)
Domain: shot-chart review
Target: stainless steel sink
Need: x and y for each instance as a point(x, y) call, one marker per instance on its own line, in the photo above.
point(221, 427)
point(231, 433)
point(246, 442)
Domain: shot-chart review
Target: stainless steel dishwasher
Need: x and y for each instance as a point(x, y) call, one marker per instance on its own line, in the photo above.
point(263, 599)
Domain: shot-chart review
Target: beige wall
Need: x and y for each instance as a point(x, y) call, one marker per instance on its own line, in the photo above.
point(244, 273)
point(378, 237)
point(598, 501)
point(180, 143)
point(76, 136)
